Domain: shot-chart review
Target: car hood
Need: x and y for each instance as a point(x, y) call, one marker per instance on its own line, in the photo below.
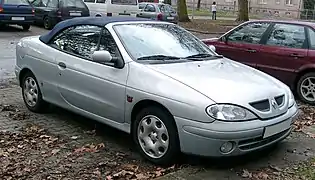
point(224, 80)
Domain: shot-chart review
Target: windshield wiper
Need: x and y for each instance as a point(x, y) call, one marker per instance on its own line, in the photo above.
point(158, 57)
point(203, 55)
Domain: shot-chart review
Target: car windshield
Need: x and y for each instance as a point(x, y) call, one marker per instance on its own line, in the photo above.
point(166, 41)
point(166, 8)
point(73, 3)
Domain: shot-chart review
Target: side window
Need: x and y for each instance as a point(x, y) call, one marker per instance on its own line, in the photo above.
point(149, 8)
point(162, 8)
point(311, 38)
point(100, 1)
point(287, 35)
point(108, 43)
point(249, 33)
point(80, 40)
point(40, 3)
point(89, 1)
point(53, 3)
point(141, 6)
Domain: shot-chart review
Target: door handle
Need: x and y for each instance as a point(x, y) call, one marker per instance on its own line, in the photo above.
point(296, 55)
point(62, 65)
point(251, 50)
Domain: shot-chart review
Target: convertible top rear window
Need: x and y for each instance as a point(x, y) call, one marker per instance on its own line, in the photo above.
point(16, 2)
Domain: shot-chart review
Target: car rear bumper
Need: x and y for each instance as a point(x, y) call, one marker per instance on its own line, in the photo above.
point(206, 139)
point(9, 19)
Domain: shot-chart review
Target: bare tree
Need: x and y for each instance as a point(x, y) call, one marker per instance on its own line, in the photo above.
point(242, 10)
point(182, 11)
point(198, 5)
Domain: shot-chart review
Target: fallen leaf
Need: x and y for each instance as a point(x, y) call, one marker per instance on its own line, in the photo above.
point(246, 174)
point(263, 175)
point(74, 137)
point(275, 168)
point(141, 176)
point(55, 151)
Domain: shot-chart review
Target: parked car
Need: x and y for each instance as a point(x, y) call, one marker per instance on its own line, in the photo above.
point(50, 12)
point(171, 97)
point(18, 12)
point(283, 49)
point(100, 8)
point(158, 11)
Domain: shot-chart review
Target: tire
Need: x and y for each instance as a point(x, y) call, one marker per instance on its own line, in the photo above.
point(169, 137)
point(30, 89)
point(26, 27)
point(304, 86)
point(47, 23)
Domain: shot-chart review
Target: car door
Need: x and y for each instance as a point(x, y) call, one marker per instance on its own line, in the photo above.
point(243, 43)
point(284, 51)
point(87, 86)
point(39, 8)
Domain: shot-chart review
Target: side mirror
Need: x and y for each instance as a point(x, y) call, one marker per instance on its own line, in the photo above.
point(224, 39)
point(102, 56)
point(212, 47)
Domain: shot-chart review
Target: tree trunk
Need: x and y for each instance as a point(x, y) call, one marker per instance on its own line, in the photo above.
point(242, 10)
point(182, 11)
point(198, 5)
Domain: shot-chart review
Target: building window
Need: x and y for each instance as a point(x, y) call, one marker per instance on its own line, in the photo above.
point(288, 2)
point(277, 1)
point(262, 1)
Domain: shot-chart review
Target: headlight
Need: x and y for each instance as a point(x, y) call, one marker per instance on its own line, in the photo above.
point(291, 99)
point(226, 112)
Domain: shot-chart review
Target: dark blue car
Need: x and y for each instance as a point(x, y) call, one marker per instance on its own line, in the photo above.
point(18, 12)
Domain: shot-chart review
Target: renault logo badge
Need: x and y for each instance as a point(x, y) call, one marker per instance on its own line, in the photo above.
point(274, 104)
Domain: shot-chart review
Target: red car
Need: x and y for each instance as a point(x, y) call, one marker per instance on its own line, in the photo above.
point(283, 49)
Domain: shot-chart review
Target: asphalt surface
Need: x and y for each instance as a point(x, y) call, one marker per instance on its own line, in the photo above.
point(9, 37)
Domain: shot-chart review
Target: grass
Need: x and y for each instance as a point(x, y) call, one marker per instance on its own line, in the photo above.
point(209, 26)
point(226, 14)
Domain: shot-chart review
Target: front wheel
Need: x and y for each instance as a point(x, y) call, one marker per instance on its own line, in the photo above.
point(155, 134)
point(306, 88)
point(32, 95)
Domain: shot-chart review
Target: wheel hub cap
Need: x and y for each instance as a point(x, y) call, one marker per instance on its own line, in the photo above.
point(153, 136)
point(30, 91)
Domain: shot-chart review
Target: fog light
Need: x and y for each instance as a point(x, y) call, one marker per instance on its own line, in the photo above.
point(227, 147)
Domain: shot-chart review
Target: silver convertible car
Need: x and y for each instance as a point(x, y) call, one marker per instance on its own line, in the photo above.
point(158, 82)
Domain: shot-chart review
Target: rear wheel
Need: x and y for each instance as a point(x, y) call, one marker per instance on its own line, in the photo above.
point(155, 135)
point(306, 88)
point(26, 27)
point(32, 95)
point(47, 23)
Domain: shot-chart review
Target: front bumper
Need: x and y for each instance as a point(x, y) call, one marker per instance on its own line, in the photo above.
point(206, 139)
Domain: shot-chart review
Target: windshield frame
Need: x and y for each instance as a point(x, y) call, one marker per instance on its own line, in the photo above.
point(150, 22)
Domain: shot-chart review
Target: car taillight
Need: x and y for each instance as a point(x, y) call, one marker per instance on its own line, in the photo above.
point(33, 11)
point(1, 9)
point(109, 14)
point(159, 17)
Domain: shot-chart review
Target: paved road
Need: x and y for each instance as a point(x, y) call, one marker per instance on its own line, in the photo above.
point(10, 35)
